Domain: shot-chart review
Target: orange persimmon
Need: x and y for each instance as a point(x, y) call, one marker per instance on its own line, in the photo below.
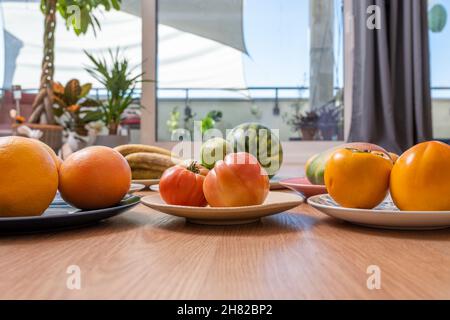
point(358, 179)
point(420, 179)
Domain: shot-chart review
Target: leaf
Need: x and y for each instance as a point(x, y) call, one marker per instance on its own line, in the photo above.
point(87, 13)
point(90, 103)
point(72, 92)
point(85, 89)
point(92, 116)
point(60, 102)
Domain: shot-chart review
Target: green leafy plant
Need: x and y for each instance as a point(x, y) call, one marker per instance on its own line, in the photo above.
point(71, 104)
point(174, 120)
point(79, 15)
point(120, 81)
point(210, 120)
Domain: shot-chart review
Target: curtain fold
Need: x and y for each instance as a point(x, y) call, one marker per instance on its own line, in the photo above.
point(391, 80)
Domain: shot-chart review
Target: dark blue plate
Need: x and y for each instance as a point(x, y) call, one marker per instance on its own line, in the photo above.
point(61, 215)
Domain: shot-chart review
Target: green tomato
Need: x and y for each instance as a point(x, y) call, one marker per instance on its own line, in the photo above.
point(214, 150)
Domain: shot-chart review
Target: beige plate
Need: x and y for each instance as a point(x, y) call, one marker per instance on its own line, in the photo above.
point(276, 202)
point(147, 182)
point(385, 216)
point(135, 187)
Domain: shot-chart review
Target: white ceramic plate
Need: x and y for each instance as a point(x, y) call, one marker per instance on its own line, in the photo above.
point(146, 182)
point(276, 202)
point(135, 187)
point(385, 216)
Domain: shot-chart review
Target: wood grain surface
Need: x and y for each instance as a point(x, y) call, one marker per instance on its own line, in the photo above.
point(301, 254)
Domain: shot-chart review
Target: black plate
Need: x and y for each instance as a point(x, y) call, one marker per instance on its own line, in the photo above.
point(61, 215)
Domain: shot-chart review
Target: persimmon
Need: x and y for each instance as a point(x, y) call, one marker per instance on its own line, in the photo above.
point(420, 179)
point(358, 179)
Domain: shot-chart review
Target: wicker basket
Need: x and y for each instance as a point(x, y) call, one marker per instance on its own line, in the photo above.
point(52, 134)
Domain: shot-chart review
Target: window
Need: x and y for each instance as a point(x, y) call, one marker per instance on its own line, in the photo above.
point(440, 81)
point(21, 43)
point(275, 62)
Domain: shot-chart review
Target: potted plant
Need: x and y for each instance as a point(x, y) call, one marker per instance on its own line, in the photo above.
point(330, 115)
point(71, 105)
point(306, 122)
point(120, 81)
point(43, 104)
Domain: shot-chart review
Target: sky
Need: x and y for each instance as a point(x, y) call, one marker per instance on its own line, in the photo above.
point(440, 51)
point(277, 38)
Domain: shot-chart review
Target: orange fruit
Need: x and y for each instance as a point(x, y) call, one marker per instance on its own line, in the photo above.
point(28, 180)
point(52, 153)
point(94, 178)
point(420, 179)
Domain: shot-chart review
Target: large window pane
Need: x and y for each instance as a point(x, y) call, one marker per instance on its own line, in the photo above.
point(269, 61)
point(440, 69)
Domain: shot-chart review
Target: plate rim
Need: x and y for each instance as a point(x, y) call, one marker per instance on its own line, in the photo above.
point(311, 201)
point(286, 183)
point(228, 209)
point(136, 200)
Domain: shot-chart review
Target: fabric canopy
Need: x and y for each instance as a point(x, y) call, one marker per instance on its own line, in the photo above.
point(218, 20)
point(186, 59)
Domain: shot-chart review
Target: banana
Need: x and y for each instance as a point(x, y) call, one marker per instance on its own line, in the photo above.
point(128, 149)
point(150, 160)
point(141, 174)
point(139, 166)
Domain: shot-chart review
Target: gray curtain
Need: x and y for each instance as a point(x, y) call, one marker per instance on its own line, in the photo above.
point(391, 80)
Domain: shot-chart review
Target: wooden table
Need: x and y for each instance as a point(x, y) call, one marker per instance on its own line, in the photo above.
point(301, 254)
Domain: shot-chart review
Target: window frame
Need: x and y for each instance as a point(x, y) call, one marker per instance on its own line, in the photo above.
point(295, 152)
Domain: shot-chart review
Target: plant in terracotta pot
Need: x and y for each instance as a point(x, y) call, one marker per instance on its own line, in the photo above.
point(120, 81)
point(330, 116)
point(71, 105)
point(308, 124)
point(305, 122)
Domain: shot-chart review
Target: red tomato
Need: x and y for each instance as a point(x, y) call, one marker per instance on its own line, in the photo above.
point(237, 181)
point(183, 186)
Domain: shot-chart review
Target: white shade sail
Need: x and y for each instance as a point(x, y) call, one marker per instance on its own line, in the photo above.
point(185, 59)
point(219, 20)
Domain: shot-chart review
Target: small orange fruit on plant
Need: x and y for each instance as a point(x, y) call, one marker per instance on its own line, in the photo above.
point(94, 178)
point(29, 177)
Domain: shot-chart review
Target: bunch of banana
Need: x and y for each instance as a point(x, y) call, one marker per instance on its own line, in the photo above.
point(147, 162)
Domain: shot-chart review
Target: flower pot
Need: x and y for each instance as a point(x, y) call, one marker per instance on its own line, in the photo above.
point(52, 134)
point(328, 131)
point(308, 133)
point(81, 131)
point(111, 141)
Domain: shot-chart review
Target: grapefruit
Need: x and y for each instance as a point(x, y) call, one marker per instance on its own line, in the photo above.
point(94, 178)
point(29, 177)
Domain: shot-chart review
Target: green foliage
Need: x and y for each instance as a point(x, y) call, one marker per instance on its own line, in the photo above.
point(174, 120)
point(120, 81)
point(68, 10)
point(210, 120)
point(71, 101)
